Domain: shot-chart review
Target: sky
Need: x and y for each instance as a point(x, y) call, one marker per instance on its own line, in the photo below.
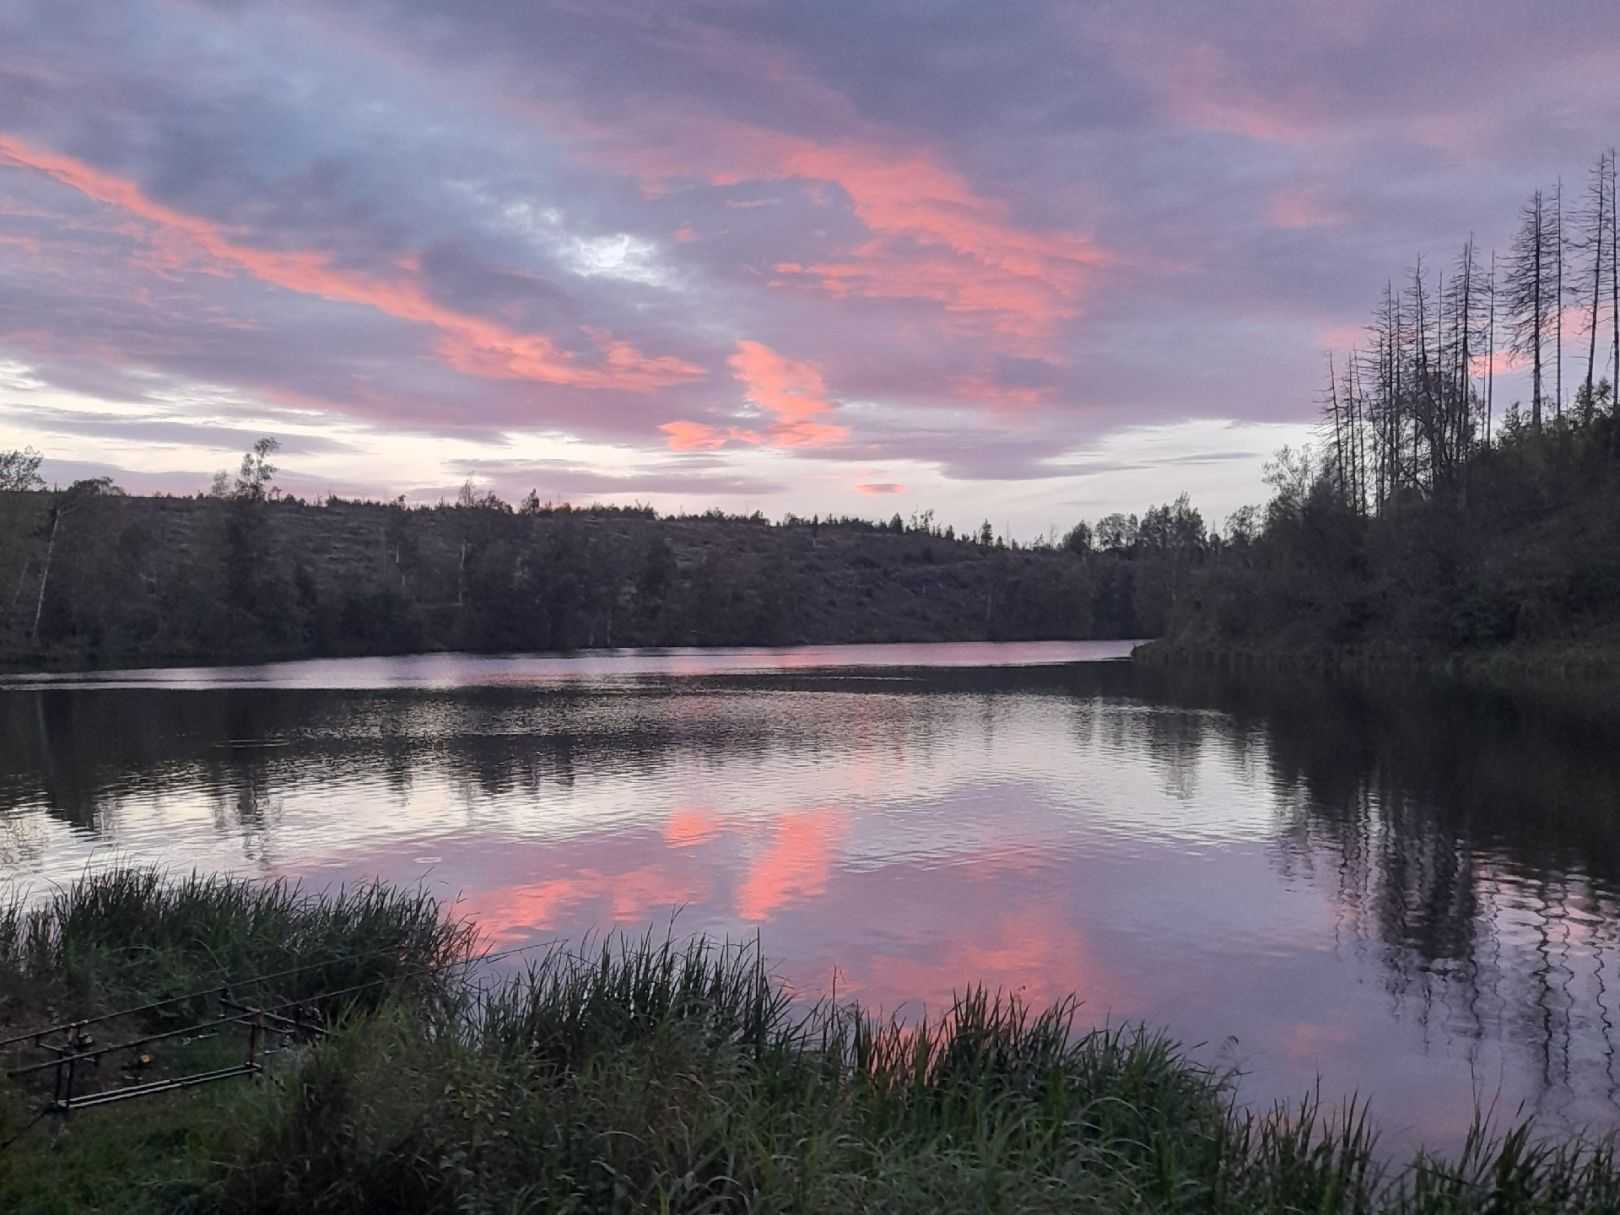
point(1029, 262)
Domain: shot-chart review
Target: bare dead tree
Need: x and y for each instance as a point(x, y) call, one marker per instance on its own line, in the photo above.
point(1384, 412)
point(1490, 357)
point(1361, 432)
point(1336, 420)
point(1595, 246)
point(1531, 298)
point(1614, 269)
point(1423, 411)
point(1470, 331)
point(1350, 445)
point(1558, 297)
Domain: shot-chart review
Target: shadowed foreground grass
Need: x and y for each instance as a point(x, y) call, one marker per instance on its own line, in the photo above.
point(653, 1075)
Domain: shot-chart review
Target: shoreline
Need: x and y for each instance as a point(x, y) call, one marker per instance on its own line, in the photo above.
point(1509, 665)
point(20, 670)
point(650, 1074)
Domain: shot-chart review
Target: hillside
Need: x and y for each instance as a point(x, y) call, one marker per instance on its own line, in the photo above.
point(140, 580)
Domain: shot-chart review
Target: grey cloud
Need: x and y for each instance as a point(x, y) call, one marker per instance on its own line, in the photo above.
point(565, 480)
point(154, 430)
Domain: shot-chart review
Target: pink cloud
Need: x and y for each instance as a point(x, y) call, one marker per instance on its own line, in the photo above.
point(618, 896)
point(1199, 87)
point(808, 434)
point(975, 259)
point(699, 436)
point(471, 344)
point(687, 827)
point(790, 392)
point(1305, 208)
point(27, 244)
point(985, 390)
point(881, 487)
point(933, 236)
point(1009, 948)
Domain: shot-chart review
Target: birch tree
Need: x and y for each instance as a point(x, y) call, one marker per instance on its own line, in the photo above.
point(66, 503)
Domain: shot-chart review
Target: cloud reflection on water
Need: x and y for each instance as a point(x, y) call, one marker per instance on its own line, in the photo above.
point(1412, 892)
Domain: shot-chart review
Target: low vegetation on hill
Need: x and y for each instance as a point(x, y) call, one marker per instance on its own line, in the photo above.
point(97, 577)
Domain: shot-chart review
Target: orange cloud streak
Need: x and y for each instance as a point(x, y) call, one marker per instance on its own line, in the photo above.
point(470, 344)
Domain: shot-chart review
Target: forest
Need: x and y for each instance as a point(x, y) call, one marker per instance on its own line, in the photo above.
point(244, 573)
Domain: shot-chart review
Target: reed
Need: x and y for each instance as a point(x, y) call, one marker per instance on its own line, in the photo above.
point(648, 1074)
point(128, 934)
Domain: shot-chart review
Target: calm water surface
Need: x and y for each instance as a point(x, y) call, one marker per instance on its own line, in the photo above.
point(1408, 891)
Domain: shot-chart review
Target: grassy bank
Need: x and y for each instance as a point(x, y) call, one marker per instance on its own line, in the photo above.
point(647, 1075)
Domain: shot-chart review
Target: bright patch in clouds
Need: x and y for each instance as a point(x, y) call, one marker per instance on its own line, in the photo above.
point(619, 255)
point(17, 378)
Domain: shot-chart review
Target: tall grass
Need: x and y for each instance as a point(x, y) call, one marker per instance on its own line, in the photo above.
point(651, 1075)
point(646, 1074)
point(132, 934)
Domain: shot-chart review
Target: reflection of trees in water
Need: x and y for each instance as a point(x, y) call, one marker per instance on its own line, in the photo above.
point(1471, 843)
point(1171, 739)
point(1176, 741)
point(86, 755)
point(22, 844)
point(243, 799)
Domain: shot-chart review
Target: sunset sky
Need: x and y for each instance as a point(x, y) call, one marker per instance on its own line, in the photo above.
point(1033, 262)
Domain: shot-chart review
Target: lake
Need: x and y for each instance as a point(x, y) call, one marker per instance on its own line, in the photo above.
point(1406, 889)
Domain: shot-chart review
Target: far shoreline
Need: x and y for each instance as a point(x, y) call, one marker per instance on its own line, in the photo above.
point(63, 673)
point(1571, 663)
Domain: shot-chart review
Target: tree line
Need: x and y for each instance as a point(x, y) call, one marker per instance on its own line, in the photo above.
point(244, 572)
point(1407, 409)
